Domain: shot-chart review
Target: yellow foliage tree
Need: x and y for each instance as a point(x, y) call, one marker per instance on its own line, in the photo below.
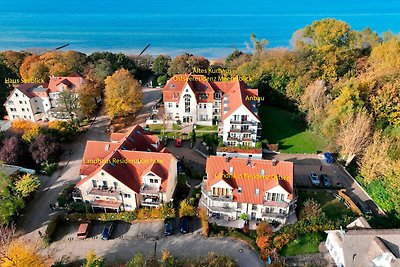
point(23, 126)
point(123, 94)
point(19, 254)
point(185, 209)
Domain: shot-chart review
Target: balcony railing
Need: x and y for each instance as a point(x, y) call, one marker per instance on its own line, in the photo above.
point(274, 215)
point(149, 190)
point(151, 202)
point(217, 197)
point(253, 123)
point(272, 203)
point(103, 191)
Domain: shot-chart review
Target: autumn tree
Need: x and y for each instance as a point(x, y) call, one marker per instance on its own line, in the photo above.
point(13, 60)
point(34, 68)
point(311, 210)
point(68, 106)
point(10, 202)
point(376, 162)
point(88, 96)
point(44, 148)
point(161, 64)
point(354, 135)
point(185, 209)
point(257, 45)
point(22, 254)
point(204, 222)
point(12, 151)
point(264, 232)
point(92, 260)
point(314, 101)
point(27, 184)
point(185, 63)
point(123, 95)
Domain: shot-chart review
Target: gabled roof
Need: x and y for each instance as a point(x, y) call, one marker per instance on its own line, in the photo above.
point(247, 175)
point(73, 82)
point(236, 98)
point(127, 157)
point(28, 89)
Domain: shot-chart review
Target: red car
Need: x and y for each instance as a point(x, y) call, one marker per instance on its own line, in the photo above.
point(178, 142)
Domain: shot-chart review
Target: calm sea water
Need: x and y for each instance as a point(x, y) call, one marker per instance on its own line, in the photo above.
point(209, 28)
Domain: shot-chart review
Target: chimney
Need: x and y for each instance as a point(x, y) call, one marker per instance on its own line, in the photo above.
point(274, 162)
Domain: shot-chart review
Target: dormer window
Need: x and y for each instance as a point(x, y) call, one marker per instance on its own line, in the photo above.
point(231, 169)
point(262, 172)
point(172, 85)
point(203, 96)
point(239, 190)
point(257, 191)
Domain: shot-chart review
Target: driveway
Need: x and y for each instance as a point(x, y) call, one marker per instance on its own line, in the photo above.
point(306, 163)
point(150, 98)
point(37, 213)
point(129, 240)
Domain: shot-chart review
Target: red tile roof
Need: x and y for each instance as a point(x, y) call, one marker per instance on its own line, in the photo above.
point(237, 98)
point(248, 177)
point(129, 156)
point(72, 81)
point(235, 89)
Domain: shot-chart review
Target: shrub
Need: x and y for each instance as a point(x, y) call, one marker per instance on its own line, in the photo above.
point(52, 227)
point(79, 207)
point(49, 168)
point(65, 195)
point(204, 222)
point(186, 209)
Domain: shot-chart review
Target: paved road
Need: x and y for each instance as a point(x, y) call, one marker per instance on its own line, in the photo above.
point(38, 213)
point(127, 242)
point(306, 163)
point(150, 98)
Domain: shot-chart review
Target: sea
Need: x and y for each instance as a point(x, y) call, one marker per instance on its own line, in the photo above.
point(208, 28)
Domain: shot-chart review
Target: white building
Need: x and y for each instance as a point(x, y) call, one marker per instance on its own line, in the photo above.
point(194, 99)
point(360, 245)
point(132, 170)
point(35, 101)
point(261, 189)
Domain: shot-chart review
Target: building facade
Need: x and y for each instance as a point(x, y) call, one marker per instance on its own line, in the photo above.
point(193, 99)
point(38, 101)
point(132, 170)
point(260, 189)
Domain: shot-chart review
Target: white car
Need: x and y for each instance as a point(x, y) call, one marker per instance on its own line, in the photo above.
point(314, 178)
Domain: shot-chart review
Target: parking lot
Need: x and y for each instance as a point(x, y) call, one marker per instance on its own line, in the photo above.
point(147, 238)
point(306, 163)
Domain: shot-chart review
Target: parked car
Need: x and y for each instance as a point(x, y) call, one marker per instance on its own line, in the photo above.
point(83, 230)
point(184, 225)
point(168, 228)
point(364, 208)
point(314, 178)
point(328, 157)
point(178, 142)
point(107, 231)
point(326, 180)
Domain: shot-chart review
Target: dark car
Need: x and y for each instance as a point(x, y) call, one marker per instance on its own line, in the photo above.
point(107, 231)
point(184, 225)
point(328, 157)
point(169, 228)
point(326, 180)
point(364, 208)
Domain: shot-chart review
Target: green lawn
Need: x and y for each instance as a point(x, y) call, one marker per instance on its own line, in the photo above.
point(176, 127)
point(206, 128)
point(307, 243)
point(331, 206)
point(156, 127)
point(279, 127)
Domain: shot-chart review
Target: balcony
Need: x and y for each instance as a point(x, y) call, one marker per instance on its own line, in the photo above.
point(149, 190)
point(274, 215)
point(252, 123)
point(106, 204)
point(150, 201)
point(103, 191)
point(216, 197)
point(278, 204)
